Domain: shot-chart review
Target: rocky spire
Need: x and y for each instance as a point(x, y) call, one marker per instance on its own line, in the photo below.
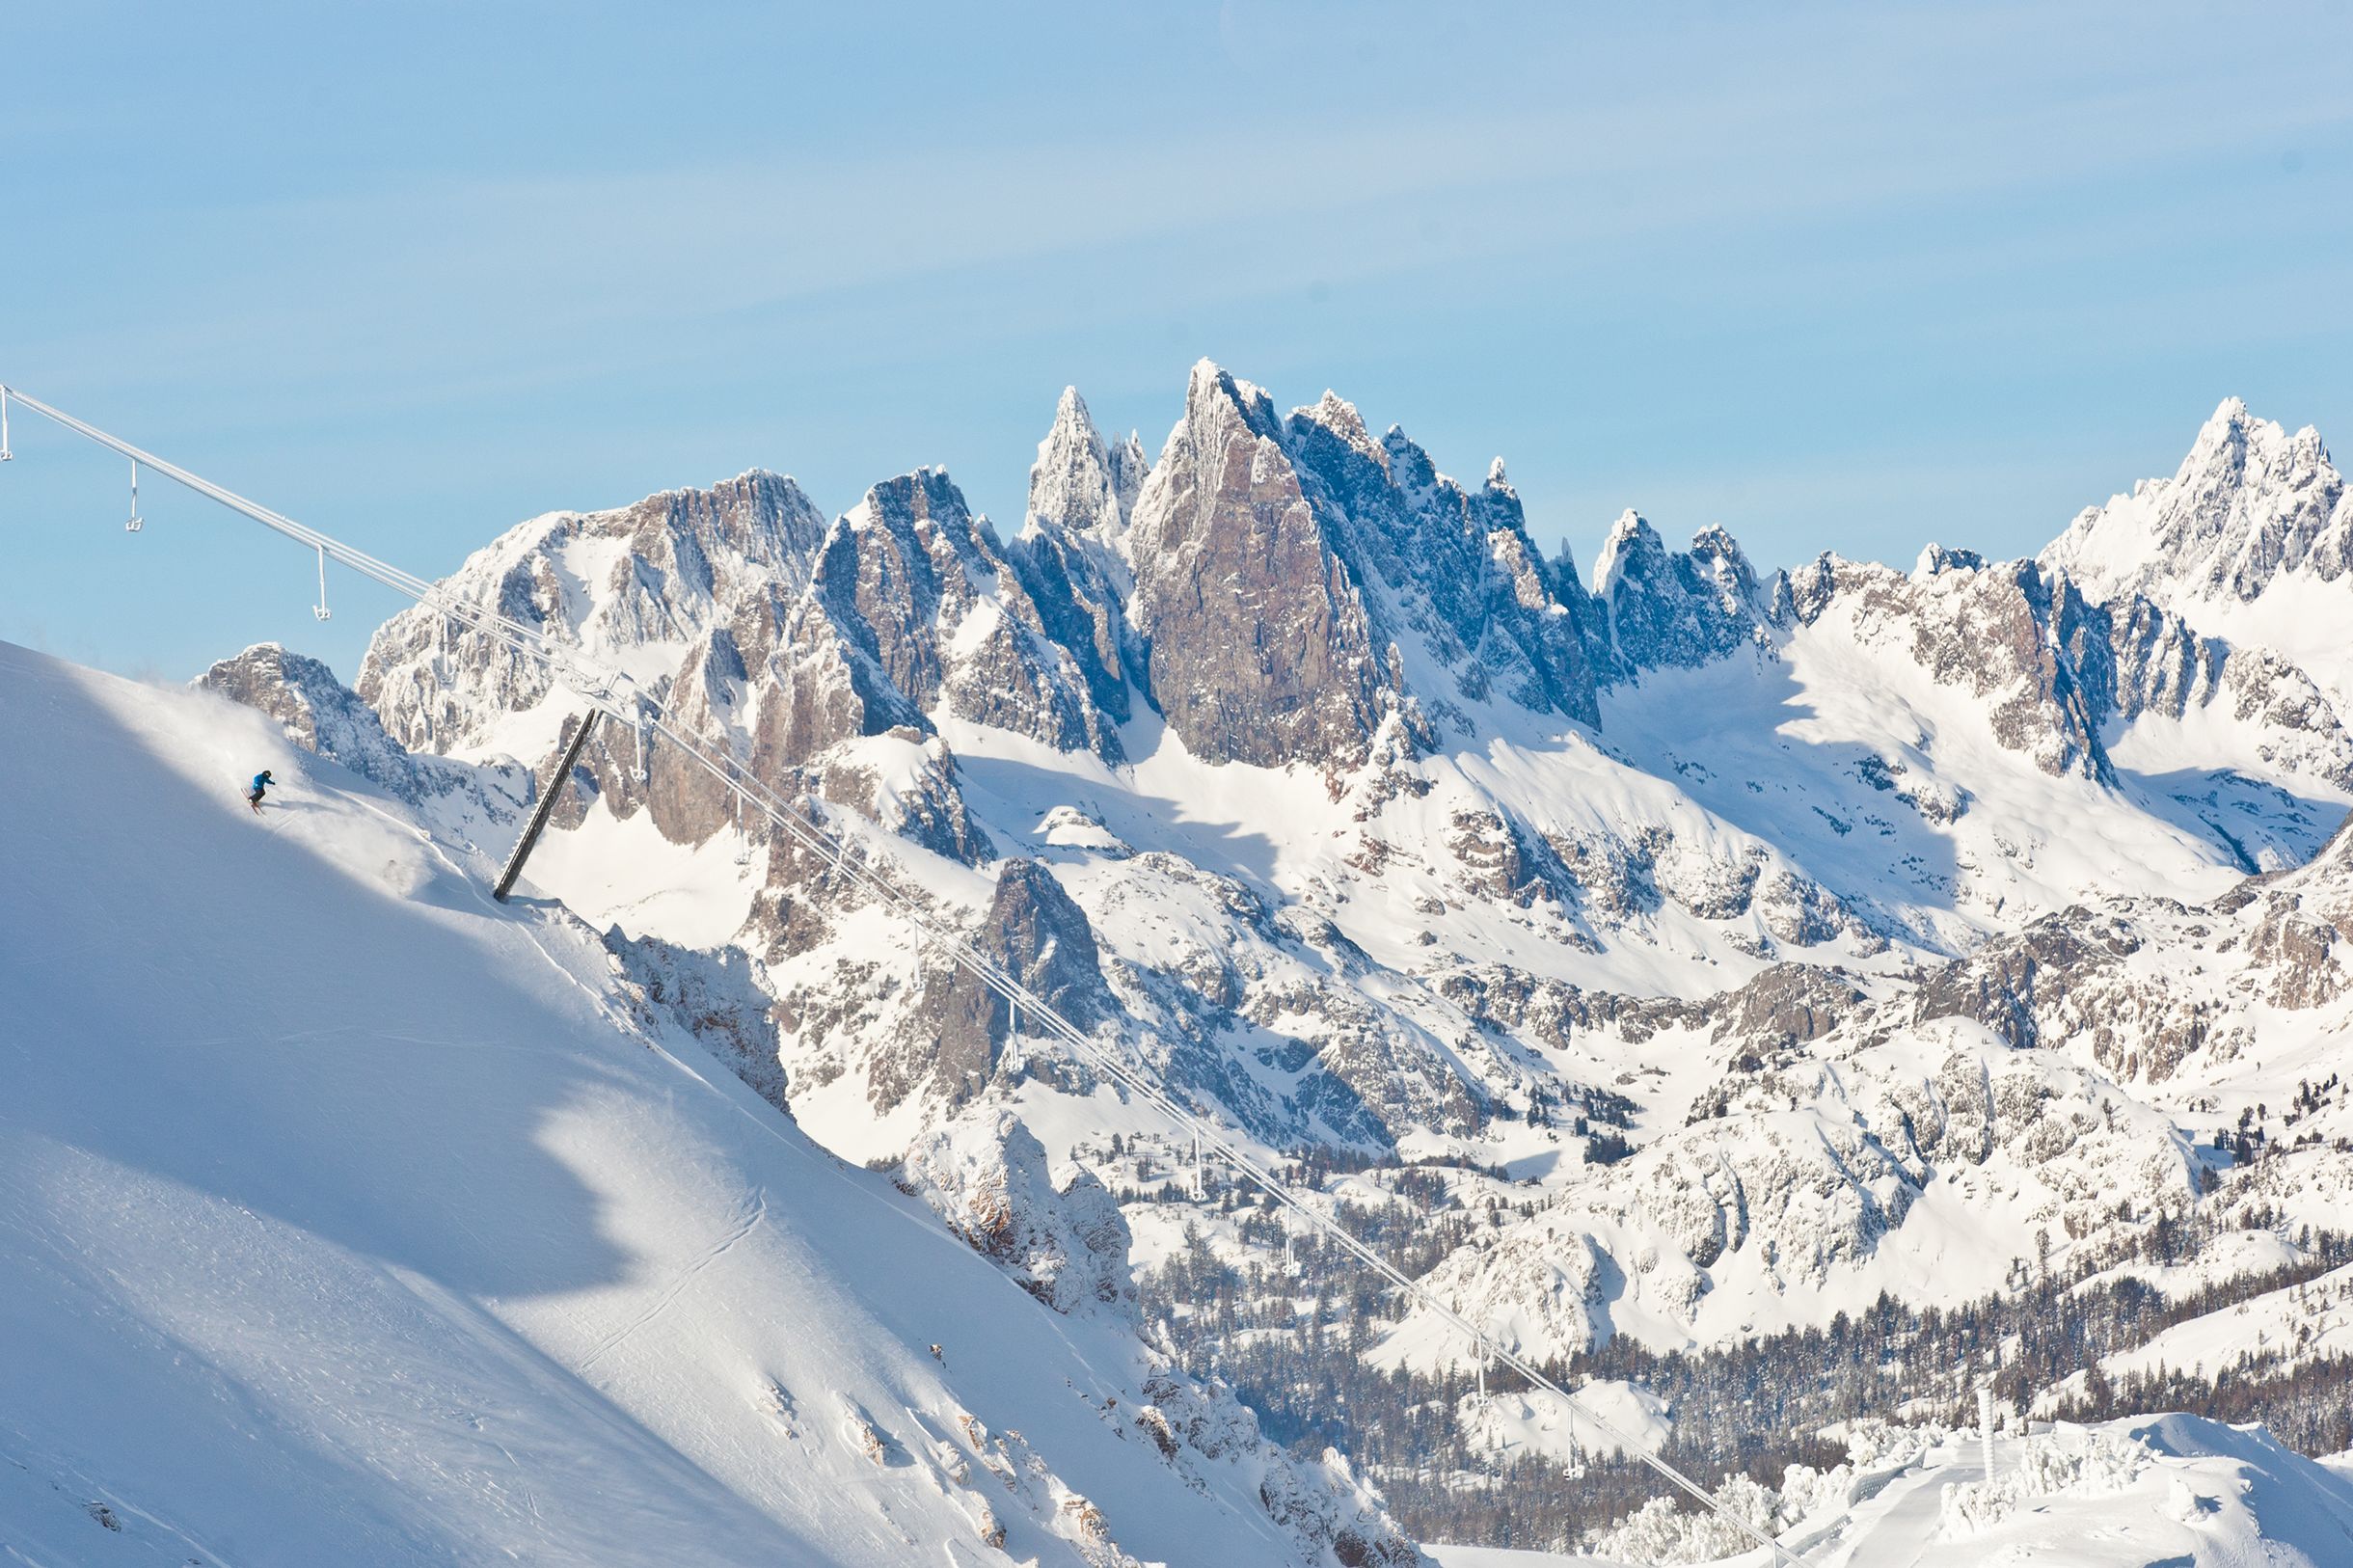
point(1668, 610)
point(1078, 483)
point(1069, 550)
point(2249, 504)
point(1259, 645)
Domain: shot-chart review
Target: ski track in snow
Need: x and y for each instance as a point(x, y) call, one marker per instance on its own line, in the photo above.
point(755, 1212)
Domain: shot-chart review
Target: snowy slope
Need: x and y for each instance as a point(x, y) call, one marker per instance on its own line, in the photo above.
point(2158, 1492)
point(1691, 957)
point(2252, 539)
point(1526, 871)
point(346, 1217)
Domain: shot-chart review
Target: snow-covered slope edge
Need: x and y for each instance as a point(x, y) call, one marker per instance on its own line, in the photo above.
point(2146, 1492)
point(347, 1217)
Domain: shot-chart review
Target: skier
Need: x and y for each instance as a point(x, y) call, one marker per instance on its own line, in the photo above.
point(261, 782)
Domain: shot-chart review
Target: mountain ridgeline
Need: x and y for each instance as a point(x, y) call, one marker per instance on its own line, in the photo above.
point(1669, 958)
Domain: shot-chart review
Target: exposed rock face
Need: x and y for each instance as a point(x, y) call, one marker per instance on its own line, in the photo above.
point(1307, 593)
point(1259, 643)
point(2249, 506)
point(1668, 610)
point(1786, 1005)
point(1067, 1245)
point(2117, 980)
point(772, 636)
point(321, 715)
point(2132, 657)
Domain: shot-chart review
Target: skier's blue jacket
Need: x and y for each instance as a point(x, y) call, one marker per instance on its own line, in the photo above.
point(262, 781)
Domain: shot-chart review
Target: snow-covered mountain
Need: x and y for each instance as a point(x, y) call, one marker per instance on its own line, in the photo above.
point(1687, 956)
point(350, 1217)
point(2252, 539)
point(2128, 1493)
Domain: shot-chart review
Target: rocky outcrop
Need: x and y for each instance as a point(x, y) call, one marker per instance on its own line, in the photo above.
point(2014, 985)
point(1786, 1005)
point(1065, 1244)
point(718, 1000)
point(2249, 507)
point(961, 1029)
point(1668, 610)
point(1259, 647)
point(322, 715)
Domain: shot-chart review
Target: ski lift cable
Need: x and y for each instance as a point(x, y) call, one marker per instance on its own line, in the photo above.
point(619, 695)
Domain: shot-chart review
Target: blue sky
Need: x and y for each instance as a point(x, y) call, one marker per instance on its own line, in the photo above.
point(1836, 277)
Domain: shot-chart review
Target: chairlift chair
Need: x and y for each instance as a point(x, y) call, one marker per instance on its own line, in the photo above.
point(136, 522)
point(5, 454)
point(320, 608)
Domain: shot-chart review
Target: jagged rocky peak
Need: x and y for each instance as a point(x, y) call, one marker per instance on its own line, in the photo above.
point(1671, 609)
point(1081, 495)
point(1337, 416)
point(612, 583)
point(1259, 643)
point(1080, 483)
point(921, 588)
point(2250, 503)
point(1935, 557)
point(1631, 549)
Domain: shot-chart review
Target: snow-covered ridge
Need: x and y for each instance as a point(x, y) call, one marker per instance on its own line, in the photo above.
point(1532, 805)
point(1792, 937)
point(2251, 539)
point(363, 1220)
